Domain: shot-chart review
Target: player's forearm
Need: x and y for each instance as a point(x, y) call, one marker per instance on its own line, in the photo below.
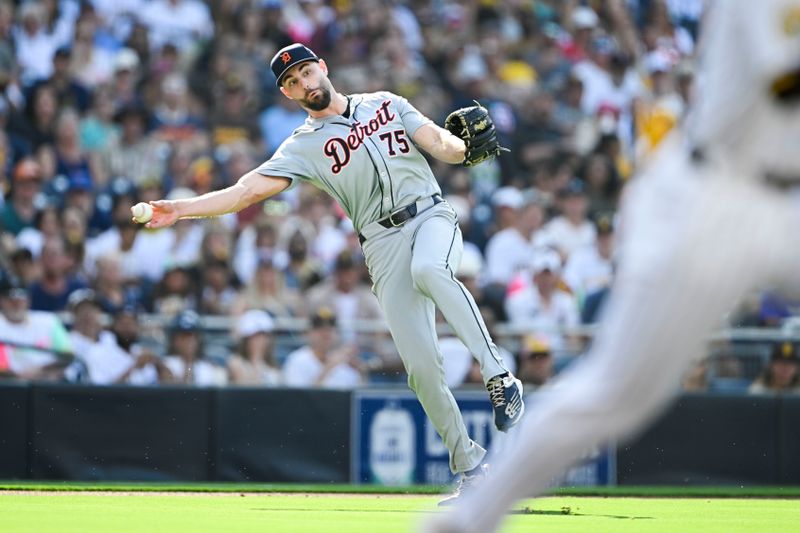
point(215, 203)
point(251, 188)
point(440, 143)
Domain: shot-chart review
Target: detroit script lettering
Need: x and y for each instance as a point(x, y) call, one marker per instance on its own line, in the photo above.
point(339, 149)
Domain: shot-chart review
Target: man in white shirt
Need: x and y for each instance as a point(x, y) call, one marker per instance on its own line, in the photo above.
point(34, 45)
point(86, 321)
point(186, 361)
point(33, 344)
point(180, 22)
point(321, 363)
point(571, 230)
point(590, 269)
point(107, 362)
point(543, 306)
point(509, 250)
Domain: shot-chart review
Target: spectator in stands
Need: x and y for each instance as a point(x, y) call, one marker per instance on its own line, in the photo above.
point(110, 289)
point(92, 62)
point(173, 119)
point(535, 361)
point(537, 138)
point(73, 222)
point(34, 345)
point(97, 127)
point(256, 244)
point(782, 374)
point(592, 304)
point(116, 358)
point(134, 154)
point(469, 273)
point(122, 240)
point(178, 22)
point(20, 208)
point(602, 183)
point(349, 297)
point(775, 308)
point(696, 379)
point(80, 168)
point(268, 291)
point(254, 362)
point(38, 125)
point(590, 268)
point(23, 266)
point(69, 92)
point(33, 44)
point(126, 78)
point(568, 115)
point(186, 361)
point(507, 202)
point(46, 225)
point(323, 362)
point(176, 291)
point(509, 251)
point(51, 291)
point(571, 230)
point(87, 325)
point(217, 293)
point(543, 307)
point(456, 358)
point(233, 121)
point(80, 196)
point(302, 271)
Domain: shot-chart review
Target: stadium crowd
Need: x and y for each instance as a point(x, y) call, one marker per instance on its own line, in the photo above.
point(104, 103)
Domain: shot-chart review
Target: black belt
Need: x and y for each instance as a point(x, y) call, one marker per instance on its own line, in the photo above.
point(401, 216)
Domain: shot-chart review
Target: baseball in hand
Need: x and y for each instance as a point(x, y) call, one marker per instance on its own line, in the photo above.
point(142, 212)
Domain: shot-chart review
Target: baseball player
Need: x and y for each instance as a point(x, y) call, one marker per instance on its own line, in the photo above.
point(364, 150)
point(707, 221)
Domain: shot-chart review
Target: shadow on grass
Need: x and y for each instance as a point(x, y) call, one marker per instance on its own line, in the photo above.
point(566, 511)
point(526, 511)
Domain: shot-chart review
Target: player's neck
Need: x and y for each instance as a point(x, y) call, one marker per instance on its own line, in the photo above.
point(336, 107)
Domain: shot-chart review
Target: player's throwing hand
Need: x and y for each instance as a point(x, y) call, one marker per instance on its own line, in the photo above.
point(165, 213)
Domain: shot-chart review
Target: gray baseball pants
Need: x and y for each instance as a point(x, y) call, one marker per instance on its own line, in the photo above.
point(412, 269)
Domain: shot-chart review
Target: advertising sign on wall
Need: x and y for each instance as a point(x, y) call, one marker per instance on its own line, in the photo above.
point(394, 443)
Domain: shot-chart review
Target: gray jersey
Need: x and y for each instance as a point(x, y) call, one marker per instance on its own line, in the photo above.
point(367, 162)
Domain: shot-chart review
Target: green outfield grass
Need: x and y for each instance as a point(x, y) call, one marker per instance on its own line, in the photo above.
point(117, 507)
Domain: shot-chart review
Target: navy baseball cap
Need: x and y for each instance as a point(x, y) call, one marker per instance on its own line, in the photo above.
point(289, 56)
point(186, 320)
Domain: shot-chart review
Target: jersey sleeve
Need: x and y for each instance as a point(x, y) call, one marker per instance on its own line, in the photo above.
point(286, 162)
point(411, 118)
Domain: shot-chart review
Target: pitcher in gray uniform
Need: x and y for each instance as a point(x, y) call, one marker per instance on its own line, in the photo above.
point(363, 150)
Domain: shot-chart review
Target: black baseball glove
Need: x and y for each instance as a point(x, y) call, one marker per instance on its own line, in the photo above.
point(474, 126)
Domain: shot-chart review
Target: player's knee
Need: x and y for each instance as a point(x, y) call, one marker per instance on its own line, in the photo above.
point(424, 272)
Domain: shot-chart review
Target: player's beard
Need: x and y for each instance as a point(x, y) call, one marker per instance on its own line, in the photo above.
point(320, 102)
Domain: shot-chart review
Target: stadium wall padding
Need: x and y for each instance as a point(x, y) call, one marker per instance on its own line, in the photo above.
point(120, 433)
point(69, 432)
point(281, 435)
point(14, 431)
point(789, 441)
point(708, 440)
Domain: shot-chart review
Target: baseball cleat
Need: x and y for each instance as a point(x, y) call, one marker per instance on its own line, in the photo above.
point(466, 480)
point(505, 393)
